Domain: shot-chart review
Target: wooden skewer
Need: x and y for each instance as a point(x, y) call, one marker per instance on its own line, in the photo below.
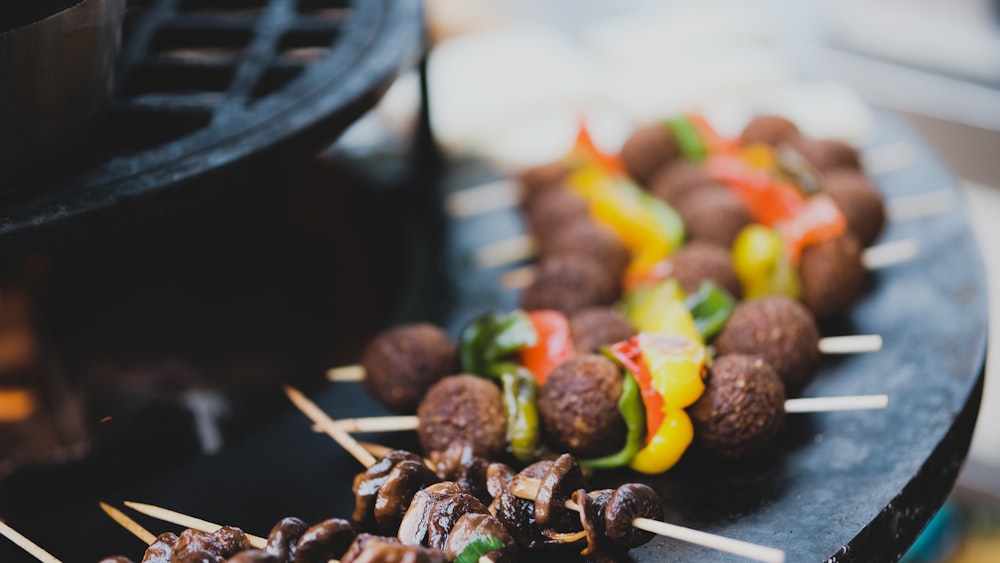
point(852, 344)
point(841, 403)
point(129, 524)
point(484, 198)
point(874, 257)
point(799, 405)
point(527, 488)
point(889, 254)
point(24, 543)
point(506, 193)
point(330, 427)
point(346, 373)
point(192, 522)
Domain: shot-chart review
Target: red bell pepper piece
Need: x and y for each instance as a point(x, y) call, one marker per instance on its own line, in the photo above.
point(770, 201)
point(714, 141)
point(553, 347)
point(627, 353)
point(585, 150)
point(820, 220)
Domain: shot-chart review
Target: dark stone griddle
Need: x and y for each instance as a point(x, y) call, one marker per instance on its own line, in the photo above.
point(208, 91)
point(842, 486)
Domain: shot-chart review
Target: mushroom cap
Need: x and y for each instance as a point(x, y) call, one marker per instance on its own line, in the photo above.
point(628, 502)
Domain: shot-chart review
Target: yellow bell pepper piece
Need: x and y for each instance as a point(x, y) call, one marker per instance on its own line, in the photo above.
point(661, 309)
point(677, 367)
point(616, 205)
point(666, 447)
point(762, 265)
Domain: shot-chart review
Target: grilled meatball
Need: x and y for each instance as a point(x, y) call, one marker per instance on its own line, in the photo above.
point(769, 130)
point(569, 283)
point(595, 327)
point(833, 276)
point(827, 154)
point(536, 180)
point(858, 200)
point(676, 180)
point(587, 238)
point(463, 408)
point(698, 261)
point(647, 150)
point(551, 210)
point(401, 363)
point(713, 213)
point(742, 409)
point(781, 331)
point(578, 404)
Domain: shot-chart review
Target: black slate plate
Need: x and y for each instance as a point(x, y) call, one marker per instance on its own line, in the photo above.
point(841, 486)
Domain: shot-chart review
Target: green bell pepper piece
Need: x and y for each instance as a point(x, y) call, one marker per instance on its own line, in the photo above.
point(688, 138)
point(630, 407)
point(711, 307)
point(520, 396)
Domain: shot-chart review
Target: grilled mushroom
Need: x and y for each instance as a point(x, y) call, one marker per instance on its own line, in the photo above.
point(394, 496)
point(628, 502)
point(324, 541)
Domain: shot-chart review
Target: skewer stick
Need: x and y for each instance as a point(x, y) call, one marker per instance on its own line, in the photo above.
point(329, 426)
point(484, 198)
point(527, 488)
point(889, 254)
point(378, 424)
point(506, 193)
point(798, 405)
point(26, 544)
point(192, 522)
point(129, 524)
point(507, 251)
point(872, 258)
point(831, 404)
point(345, 373)
point(853, 344)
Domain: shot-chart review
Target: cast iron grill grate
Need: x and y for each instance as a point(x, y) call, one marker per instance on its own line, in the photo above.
point(207, 87)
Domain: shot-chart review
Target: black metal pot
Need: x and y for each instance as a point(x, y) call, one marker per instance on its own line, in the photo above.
point(56, 74)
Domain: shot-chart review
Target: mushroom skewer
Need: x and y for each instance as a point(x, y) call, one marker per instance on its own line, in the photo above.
point(180, 519)
point(528, 488)
point(330, 426)
point(26, 544)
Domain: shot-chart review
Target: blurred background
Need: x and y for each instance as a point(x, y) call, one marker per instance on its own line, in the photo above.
point(116, 342)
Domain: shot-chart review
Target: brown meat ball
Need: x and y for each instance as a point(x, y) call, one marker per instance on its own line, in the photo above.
point(676, 180)
point(769, 130)
point(827, 154)
point(647, 150)
point(742, 409)
point(464, 409)
point(587, 238)
point(713, 214)
point(552, 210)
point(833, 276)
point(778, 329)
point(578, 405)
point(539, 179)
point(402, 363)
point(859, 200)
point(596, 327)
point(569, 283)
point(700, 260)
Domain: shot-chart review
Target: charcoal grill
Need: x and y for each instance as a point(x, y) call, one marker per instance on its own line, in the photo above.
point(212, 88)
